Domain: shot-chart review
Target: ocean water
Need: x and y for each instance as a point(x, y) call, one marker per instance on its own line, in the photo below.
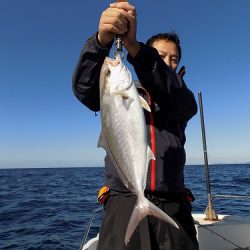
point(50, 208)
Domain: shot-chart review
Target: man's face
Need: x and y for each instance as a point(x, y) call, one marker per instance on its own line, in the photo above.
point(168, 51)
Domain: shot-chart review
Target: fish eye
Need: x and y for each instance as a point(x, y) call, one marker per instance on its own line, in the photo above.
point(107, 72)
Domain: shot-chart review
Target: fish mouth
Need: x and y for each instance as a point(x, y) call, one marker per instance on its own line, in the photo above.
point(113, 62)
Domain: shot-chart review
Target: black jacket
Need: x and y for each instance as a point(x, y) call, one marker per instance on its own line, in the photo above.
point(172, 103)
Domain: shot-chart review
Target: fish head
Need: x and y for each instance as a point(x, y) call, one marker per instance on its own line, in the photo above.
point(114, 75)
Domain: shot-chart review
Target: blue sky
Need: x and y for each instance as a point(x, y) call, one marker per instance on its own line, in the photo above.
point(43, 125)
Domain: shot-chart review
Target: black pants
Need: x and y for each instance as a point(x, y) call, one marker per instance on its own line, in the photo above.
point(152, 233)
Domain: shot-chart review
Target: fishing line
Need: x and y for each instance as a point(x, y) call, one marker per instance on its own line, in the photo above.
point(225, 239)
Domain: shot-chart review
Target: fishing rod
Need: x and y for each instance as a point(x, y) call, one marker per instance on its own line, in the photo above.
point(209, 212)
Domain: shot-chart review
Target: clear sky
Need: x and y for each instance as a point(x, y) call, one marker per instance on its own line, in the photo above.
point(42, 124)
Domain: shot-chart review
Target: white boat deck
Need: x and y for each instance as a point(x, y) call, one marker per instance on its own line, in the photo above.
point(228, 233)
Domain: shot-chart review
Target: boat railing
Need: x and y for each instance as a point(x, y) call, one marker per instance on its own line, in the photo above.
point(230, 196)
point(94, 211)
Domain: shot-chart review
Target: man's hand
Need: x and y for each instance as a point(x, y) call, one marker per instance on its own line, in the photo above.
point(119, 18)
point(129, 37)
point(113, 21)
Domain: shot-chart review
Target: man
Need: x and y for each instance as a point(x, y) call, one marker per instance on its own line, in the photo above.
point(172, 105)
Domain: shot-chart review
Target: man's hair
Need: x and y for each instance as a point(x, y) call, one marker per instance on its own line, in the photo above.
point(171, 36)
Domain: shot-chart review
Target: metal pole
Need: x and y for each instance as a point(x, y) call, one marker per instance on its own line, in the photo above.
point(209, 212)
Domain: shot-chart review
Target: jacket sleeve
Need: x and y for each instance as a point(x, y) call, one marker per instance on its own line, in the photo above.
point(85, 81)
point(166, 88)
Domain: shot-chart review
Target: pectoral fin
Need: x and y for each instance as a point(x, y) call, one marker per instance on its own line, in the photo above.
point(122, 93)
point(126, 99)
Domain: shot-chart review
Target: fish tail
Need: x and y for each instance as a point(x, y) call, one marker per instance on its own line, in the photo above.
point(142, 209)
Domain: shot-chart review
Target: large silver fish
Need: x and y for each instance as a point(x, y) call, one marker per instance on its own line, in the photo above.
point(124, 136)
